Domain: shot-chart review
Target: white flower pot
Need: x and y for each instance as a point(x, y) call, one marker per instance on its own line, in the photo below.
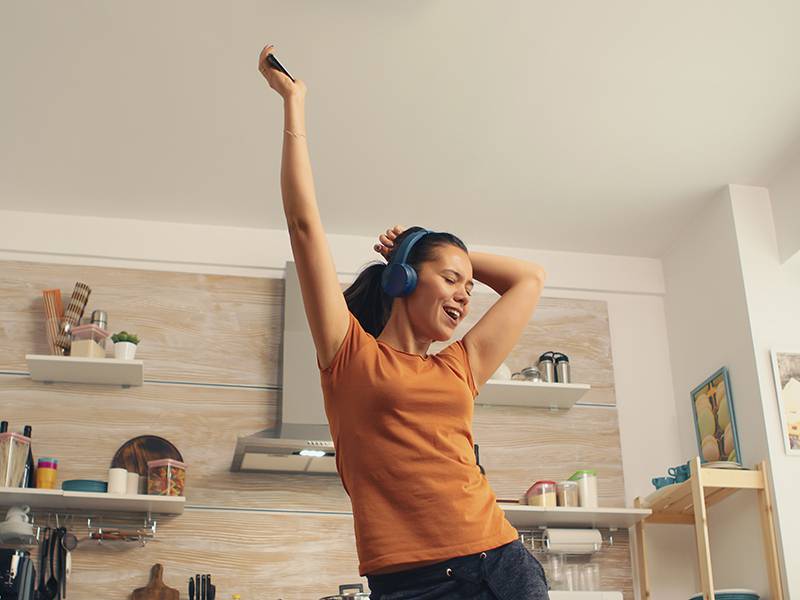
point(124, 350)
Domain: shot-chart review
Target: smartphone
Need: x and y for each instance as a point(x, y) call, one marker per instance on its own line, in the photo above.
point(273, 62)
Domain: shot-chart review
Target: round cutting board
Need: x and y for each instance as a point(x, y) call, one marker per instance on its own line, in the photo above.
point(134, 454)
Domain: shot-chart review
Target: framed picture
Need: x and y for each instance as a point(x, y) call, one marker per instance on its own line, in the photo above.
point(714, 419)
point(786, 368)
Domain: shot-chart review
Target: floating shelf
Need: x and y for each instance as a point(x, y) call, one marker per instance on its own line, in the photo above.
point(76, 369)
point(59, 500)
point(531, 393)
point(521, 515)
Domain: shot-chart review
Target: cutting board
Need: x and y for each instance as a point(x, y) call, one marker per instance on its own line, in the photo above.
point(156, 590)
point(134, 454)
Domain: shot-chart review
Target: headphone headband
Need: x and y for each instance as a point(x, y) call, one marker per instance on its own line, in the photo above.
point(407, 245)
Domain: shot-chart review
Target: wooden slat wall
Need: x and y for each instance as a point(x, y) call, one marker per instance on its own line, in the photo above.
point(209, 329)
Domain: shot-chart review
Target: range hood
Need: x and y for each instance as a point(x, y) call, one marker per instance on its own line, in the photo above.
point(301, 443)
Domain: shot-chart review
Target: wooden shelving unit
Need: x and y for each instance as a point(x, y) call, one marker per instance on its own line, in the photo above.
point(531, 393)
point(686, 504)
point(61, 501)
point(521, 515)
point(76, 369)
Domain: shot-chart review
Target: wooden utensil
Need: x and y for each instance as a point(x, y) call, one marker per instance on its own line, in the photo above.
point(134, 454)
point(156, 590)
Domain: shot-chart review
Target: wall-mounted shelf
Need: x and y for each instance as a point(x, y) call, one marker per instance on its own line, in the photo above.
point(75, 369)
point(531, 393)
point(521, 515)
point(61, 501)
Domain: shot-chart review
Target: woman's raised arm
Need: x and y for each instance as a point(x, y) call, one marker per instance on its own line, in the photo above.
point(326, 309)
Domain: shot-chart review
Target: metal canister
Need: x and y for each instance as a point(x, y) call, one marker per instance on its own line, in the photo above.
point(100, 318)
point(547, 367)
point(562, 368)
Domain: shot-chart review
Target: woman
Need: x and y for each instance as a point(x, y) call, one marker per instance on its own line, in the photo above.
point(427, 525)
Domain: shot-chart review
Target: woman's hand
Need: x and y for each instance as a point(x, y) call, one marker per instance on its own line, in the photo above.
point(387, 241)
point(277, 80)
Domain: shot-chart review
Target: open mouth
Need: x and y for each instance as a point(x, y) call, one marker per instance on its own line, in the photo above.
point(452, 314)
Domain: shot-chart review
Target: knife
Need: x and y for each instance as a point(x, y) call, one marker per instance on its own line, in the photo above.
point(197, 586)
point(191, 588)
point(202, 587)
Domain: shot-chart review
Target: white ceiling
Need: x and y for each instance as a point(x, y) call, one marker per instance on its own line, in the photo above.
point(586, 126)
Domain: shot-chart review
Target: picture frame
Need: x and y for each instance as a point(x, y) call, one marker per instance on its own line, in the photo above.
point(715, 419)
point(786, 370)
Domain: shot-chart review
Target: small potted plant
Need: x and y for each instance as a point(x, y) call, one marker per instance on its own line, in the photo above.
point(124, 345)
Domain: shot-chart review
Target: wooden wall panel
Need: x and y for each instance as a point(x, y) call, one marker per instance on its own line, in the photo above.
point(83, 425)
point(578, 328)
point(260, 556)
point(520, 445)
point(236, 322)
point(193, 327)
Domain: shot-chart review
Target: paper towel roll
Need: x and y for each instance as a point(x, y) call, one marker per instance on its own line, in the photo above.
point(572, 541)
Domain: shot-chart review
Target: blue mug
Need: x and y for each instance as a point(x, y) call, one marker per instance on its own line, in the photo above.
point(660, 482)
point(680, 473)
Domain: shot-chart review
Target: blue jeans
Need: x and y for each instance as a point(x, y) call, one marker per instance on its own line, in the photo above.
point(509, 572)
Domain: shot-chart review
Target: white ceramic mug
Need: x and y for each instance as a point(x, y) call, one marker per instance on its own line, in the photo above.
point(117, 481)
point(133, 484)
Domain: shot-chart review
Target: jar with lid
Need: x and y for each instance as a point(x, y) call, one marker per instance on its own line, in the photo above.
point(542, 493)
point(567, 493)
point(587, 487)
point(527, 374)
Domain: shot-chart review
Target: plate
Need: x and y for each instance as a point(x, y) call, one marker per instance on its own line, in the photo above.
point(84, 485)
point(722, 464)
point(737, 594)
point(134, 454)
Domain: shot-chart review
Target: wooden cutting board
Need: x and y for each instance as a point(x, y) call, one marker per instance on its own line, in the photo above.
point(156, 590)
point(134, 454)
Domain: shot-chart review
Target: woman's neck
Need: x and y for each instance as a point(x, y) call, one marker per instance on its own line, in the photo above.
point(399, 334)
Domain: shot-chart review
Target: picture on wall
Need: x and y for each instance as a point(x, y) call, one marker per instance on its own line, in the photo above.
point(715, 421)
point(786, 368)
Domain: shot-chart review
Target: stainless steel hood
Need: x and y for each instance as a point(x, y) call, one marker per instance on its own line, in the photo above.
point(301, 443)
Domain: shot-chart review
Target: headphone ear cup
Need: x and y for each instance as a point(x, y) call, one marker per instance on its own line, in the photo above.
point(410, 277)
point(399, 280)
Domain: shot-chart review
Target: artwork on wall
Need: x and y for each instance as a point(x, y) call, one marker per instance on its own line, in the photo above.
point(714, 419)
point(786, 368)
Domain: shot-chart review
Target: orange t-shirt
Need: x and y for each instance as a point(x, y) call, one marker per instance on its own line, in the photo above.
point(402, 428)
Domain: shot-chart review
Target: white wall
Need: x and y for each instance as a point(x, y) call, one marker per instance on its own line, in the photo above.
point(772, 290)
point(728, 301)
point(632, 287)
point(784, 190)
point(708, 328)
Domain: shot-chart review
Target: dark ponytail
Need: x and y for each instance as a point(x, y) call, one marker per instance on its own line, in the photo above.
point(367, 301)
point(365, 297)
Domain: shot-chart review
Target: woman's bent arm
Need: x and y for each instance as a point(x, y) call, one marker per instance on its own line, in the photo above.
point(519, 284)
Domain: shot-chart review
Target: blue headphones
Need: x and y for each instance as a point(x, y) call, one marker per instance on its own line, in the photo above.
point(400, 278)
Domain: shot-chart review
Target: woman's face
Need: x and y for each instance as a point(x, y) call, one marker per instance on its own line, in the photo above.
point(441, 299)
